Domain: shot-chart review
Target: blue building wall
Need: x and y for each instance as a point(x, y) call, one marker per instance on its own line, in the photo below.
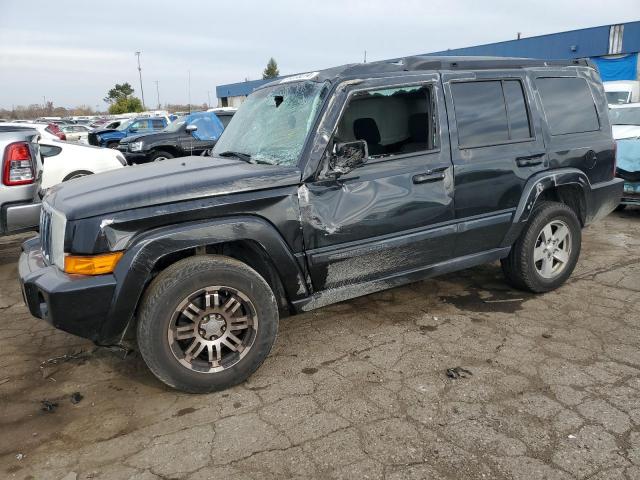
point(586, 42)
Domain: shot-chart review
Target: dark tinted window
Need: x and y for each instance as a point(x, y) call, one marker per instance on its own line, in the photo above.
point(157, 124)
point(517, 108)
point(568, 105)
point(481, 116)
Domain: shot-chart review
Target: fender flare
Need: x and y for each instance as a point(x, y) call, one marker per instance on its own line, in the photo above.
point(535, 186)
point(135, 268)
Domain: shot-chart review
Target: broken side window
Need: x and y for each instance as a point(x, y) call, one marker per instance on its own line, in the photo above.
point(391, 120)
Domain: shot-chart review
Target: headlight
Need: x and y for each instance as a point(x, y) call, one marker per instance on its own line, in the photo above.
point(135, 146)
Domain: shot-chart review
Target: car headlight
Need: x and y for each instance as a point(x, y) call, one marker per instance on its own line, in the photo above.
point(135, 146)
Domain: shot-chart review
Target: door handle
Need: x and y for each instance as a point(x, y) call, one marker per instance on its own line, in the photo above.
point(530, 160)
point(435, 175)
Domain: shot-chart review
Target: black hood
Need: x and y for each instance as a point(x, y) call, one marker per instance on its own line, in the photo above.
point(174, 180)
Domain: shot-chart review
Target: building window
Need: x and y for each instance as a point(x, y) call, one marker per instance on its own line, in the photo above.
point(615, 39)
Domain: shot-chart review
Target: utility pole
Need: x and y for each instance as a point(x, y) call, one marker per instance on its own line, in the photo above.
point(189, 91)
point(158, 93)
point(209, 97)
point(140, 74)
point(365, 56)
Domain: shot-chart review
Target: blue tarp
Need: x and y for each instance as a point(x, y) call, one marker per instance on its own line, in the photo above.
point(628, 155)
point(623, 68)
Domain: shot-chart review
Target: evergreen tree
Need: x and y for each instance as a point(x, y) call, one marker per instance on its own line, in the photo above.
point(272, 69)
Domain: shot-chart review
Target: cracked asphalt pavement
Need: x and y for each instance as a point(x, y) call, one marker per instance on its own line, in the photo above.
point(548, 387)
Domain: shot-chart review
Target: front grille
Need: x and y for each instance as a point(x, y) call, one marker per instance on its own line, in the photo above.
point(45, 233)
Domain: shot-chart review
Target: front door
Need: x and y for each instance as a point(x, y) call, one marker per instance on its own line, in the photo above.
point(496, 145)
point(394, 213)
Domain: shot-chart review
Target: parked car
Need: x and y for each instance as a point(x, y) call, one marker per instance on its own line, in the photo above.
point(625, 120)
point(327, 186)
point(64, 161)
point(21, 167)
point(622, 91)
point(190, 135)
point(110, 138)
point(46, 130)
point(224, 114)
point(76, 133)
point(625, 125)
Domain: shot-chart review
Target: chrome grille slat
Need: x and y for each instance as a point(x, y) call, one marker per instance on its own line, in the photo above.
point(45, 233)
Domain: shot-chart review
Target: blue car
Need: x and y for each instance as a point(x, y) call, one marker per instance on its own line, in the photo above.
point(136, 126)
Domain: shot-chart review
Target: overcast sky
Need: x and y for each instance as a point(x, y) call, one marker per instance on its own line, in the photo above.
point(72, 52)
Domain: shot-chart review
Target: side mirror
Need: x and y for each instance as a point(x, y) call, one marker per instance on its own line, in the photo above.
point(190, 129)
point(348, 156)
point(133, 130)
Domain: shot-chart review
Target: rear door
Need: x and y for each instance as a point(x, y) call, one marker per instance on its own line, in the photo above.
point(394, 213)
point(496, 145)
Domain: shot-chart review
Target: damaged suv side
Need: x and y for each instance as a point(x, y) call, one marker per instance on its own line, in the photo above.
point(326, 186)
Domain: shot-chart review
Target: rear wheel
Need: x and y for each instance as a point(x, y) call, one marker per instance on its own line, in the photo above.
point(547, 250)
point(113, 145)
point(206, 323)
point(160, 156)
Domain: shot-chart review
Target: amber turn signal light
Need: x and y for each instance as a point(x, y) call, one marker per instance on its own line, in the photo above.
point(92, 265)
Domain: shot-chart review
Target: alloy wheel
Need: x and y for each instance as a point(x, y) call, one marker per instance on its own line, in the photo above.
point(552, 250)
point(212, 329)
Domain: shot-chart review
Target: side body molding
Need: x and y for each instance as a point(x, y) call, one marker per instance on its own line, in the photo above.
point(135, 268)
point(534, 187)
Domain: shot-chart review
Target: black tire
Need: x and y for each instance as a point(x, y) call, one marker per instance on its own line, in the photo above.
point(177, 283)
point(519, 267)
point(621, 207)
point(113, 145)
point(77, 174)
point(160, 155)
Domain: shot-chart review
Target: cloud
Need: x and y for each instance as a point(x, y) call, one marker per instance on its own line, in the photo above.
point(75, 52)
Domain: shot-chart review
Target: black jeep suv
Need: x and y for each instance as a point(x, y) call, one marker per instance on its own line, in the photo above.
point(327, 186)
point(193, 134)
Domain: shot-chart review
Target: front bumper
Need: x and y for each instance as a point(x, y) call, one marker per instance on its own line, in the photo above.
point(631, 193)
point(74, 303)
point(137, 157)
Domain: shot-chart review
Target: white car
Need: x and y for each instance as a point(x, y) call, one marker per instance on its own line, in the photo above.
point(44, 129)
point(64, 161)
point(76, 133)
point(625, 120)
point(620, 92)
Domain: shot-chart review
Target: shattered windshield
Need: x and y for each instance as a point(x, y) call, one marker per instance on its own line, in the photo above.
point(625, 116)
point(272, 124)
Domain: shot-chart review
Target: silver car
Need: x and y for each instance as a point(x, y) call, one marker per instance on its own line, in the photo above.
point(21, 168)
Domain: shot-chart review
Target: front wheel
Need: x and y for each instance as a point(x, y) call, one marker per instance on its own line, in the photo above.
point(160, 156)
point(206, 323)
point(547, 250)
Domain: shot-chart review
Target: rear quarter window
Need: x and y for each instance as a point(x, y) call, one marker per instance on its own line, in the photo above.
point(568, 105)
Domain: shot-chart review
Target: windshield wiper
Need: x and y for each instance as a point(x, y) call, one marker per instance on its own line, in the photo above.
point(245, 157)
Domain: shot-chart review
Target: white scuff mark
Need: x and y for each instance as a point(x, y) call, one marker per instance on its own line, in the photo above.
point(303, 194)
point(105, 223)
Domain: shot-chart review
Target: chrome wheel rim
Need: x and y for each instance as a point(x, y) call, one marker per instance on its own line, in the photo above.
point(212, 329)
point(552, 249)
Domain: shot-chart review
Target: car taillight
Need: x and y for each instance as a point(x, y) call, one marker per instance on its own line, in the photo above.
point(18, 165)
point(54, 129)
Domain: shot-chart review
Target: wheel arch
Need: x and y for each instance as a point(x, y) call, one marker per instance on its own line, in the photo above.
point(569, 186)
point(251, 240)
